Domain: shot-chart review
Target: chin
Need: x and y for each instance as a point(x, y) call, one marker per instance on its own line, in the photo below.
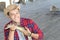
point(17, 21)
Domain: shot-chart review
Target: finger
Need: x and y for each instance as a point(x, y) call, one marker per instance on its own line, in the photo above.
point(8, 26)
point(26, 28)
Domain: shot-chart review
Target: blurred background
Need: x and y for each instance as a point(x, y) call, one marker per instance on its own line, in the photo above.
point(46, 13)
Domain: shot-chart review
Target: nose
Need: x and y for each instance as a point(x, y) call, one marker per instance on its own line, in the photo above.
point(16, 15)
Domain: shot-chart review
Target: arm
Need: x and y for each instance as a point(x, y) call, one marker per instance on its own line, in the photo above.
point(6, 33)
point(9, 34)
point(34, 35)
point(37, 33)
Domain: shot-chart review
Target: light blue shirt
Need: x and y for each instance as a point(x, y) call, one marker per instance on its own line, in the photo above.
point(21, 35)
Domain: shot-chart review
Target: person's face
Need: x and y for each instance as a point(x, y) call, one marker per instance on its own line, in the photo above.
point(14, 15)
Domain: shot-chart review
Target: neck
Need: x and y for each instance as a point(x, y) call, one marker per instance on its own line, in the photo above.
point(16, 23)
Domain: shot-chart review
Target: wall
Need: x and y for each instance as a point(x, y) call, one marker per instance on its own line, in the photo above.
point(7, 2)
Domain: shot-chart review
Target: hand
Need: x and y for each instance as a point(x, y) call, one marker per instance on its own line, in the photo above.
point(12, 27)
point(27, 31)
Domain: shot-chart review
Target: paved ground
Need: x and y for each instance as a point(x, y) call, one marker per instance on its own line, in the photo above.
point(39, 12)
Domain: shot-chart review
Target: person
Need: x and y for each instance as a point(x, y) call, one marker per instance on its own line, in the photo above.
point(31, 28)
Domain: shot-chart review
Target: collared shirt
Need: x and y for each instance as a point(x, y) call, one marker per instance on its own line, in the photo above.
point(24, 22)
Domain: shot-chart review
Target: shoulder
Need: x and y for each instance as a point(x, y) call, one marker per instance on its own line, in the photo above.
point(27, 19)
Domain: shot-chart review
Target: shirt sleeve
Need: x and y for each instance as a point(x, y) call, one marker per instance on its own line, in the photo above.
point(37, 30)
point(6, 33)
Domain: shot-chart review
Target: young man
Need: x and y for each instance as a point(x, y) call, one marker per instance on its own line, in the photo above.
point(31, 28)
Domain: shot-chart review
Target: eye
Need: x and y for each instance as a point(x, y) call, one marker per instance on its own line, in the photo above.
point(16, 13)
point(12, 14)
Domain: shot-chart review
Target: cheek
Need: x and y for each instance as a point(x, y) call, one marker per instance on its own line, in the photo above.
point(12, 17)
point(18, 15)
